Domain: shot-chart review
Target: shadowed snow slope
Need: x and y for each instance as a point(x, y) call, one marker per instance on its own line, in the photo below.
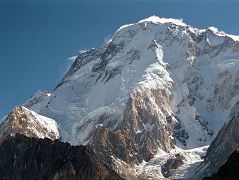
point(38, 101)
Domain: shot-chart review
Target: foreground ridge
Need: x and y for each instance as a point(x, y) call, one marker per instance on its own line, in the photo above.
point(27, 158)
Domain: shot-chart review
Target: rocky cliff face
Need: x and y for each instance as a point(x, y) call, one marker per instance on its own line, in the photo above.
point(226, 142)
point(24, 121)
point(157, 85)
point(24, 158)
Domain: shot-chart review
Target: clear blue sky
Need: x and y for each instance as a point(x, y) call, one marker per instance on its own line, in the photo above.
point(37, 38)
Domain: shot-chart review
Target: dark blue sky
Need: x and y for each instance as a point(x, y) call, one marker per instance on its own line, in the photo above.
point(37, 37)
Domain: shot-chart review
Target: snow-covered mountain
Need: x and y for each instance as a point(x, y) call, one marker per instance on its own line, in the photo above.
point(24, 121)
point(158, 85)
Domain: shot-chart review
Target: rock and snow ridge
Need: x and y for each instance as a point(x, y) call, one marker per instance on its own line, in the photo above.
point(24, 121)
point(37, 101)
point(158, 84)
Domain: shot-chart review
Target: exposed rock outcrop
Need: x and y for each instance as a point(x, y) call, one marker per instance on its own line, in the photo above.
point(140, 133)
point(172, 163)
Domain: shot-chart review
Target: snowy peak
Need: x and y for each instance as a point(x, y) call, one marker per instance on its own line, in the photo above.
point(173, 24)
point(187, 74)
point(157, 20)
point(24, 121)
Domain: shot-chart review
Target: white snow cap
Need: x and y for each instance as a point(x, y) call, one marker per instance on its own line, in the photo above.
point(156, 20)
point(212, 28)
